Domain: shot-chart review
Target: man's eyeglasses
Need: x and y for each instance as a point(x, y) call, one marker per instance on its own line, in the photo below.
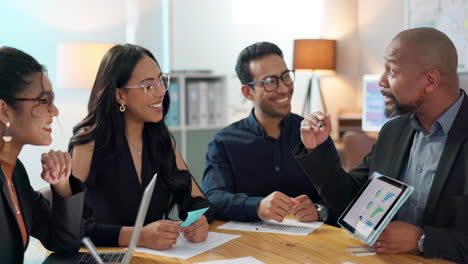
point(162, 82)
point(270, 83)
point(48, 100)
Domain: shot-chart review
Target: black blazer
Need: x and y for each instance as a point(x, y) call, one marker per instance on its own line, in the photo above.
point(445, 220)
point(57, 227)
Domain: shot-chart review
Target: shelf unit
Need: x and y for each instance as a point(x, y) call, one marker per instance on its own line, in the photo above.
point(207, 94)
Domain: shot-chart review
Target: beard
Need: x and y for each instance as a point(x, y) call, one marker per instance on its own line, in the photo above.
point(400, 109)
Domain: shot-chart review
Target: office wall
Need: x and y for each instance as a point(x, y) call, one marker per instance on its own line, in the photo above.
point(378, 24)
point(207, 34)
point(37, 27)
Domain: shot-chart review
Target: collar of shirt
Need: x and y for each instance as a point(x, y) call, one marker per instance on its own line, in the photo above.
point(445, 121)
point(257, 127)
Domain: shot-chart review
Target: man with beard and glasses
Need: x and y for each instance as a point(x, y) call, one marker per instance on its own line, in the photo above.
point(251, 173)
point(426, 147)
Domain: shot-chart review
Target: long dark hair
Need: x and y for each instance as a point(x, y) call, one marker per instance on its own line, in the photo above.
point(104, 118)
point(15, 67)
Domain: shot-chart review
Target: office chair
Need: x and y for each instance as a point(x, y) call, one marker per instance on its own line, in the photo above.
point(355, 147)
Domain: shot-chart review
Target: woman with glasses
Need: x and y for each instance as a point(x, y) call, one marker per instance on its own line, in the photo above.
point(121, 144)
point(26, 114)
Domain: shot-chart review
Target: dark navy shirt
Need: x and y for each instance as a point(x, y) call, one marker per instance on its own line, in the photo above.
point(244, 165)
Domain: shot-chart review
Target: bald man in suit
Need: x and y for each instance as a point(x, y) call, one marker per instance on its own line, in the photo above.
point(426, 147)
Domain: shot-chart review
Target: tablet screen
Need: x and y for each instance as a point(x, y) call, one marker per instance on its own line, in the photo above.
point(375, 200)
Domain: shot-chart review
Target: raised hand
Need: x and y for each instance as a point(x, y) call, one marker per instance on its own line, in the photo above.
point(56, 169)
point(56, 166)
point(312, 135)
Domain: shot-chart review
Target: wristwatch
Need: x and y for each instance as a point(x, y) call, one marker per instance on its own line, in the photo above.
point(421, 242)
point(321, 212)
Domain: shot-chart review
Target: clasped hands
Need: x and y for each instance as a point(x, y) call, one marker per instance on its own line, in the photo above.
point(277, 205)
point(163, 234)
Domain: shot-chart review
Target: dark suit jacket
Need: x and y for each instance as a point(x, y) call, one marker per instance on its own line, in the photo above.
point(445, 220)
point(58, 228)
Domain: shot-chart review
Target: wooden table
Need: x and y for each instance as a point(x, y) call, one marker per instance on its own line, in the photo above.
point(326, 245)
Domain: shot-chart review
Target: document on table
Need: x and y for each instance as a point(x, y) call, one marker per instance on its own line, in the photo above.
point(287, 227)
point(246, 260)
point(184, 249)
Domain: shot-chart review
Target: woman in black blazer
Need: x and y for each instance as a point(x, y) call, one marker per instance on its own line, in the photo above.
point(26, 112)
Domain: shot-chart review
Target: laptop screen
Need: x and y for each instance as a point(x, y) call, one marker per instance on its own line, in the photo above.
point(373, 105)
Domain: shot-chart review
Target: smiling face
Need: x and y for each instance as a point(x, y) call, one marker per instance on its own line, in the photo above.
point(403, 81)
point(276, 103)
point(141, 105)
point(31, 121)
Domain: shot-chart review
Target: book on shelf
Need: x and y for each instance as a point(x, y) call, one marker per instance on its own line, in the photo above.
point(220, 106)
point(193, 96)
point(212, 95)
point(173, 116)
point(203, 103)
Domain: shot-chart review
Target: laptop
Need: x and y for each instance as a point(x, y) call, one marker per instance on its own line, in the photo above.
point(115, 257)
point(374, 207)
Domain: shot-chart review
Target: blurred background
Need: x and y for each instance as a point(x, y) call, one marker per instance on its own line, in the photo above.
point(200, 39)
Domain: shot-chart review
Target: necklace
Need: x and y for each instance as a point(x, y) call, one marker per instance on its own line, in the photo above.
point(139, 153)
point(133, 148)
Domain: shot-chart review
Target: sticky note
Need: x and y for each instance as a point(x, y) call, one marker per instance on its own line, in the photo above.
point(193, 216)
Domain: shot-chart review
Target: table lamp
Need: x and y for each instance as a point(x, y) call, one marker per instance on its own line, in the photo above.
point(316, 56)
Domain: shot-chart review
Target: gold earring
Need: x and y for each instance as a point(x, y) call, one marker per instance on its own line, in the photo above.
point(7, 137)
point(122, 108)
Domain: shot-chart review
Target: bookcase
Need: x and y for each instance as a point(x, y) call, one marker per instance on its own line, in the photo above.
point(197, 111)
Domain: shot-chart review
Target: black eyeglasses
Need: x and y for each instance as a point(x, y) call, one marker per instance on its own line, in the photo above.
point(49, 101)
point(270, 83)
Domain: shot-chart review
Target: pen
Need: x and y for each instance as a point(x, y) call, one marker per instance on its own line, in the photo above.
point(364, 253)
point(320, 123)
point(92, 249)
point(359, 248)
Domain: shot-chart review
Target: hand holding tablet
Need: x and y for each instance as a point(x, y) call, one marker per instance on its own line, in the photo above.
point(374, 207)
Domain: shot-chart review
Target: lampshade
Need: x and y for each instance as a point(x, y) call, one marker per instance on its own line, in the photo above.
point(314, 54)
point(78, 63)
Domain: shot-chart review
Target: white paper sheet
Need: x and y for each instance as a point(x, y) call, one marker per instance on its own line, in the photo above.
point(184, 249)
point(287, 227)
point(246, 260)
point(35, 253)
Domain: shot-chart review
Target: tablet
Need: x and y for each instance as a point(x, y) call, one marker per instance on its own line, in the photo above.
point(374, 207)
